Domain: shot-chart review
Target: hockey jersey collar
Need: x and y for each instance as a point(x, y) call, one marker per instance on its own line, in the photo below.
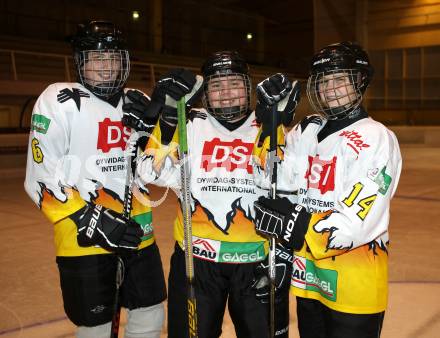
point(332, 126)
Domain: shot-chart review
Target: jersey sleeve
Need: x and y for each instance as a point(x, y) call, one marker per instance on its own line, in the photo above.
point(290, 144)
point(46, 160)
point(362, 209)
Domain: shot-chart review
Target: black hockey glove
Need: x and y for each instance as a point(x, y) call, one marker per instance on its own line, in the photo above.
point(283, 275)
point(107, 228)
point(137, 112)
point(174, 85)
point(276, 89)
point(178, 82)
point(279, 218)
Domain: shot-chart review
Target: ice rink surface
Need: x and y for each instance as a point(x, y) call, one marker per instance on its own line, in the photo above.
point(30, 298)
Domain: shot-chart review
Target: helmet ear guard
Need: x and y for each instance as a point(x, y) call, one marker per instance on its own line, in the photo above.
point(101, 58)
point(227, 86)
point(341, 60)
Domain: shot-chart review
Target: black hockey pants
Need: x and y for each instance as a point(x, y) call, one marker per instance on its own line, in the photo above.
point(216, 285)
point(315, 320)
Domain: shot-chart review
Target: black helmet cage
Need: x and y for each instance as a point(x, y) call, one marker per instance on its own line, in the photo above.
point(226, 78)
point(339, 76)
point(233, 95)
point(101, 58)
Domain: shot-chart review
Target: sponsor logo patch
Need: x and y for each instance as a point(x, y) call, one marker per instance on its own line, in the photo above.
point(354, 140)
point(145, 221)
point(323, 60)
point(229, 155)
point(222, 63)
point(362, 62)
point(307, 276)
point(241, 252)
point(206, 249)
point(228, 252)
point(40, 123)
point(372, 173)
point(112, 134)
point(383, 180)
point(321, 174)
point(98, 309)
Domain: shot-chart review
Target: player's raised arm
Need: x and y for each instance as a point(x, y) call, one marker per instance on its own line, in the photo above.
point(277, 90)
point(159, 163)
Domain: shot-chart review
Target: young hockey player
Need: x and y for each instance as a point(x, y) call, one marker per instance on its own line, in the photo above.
point(228, 254)
point(344, 168)
point(76, 174)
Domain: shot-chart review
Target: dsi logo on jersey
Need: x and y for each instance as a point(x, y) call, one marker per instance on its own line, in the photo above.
point(321, 174)
point(307, 276)
point(112, 134)
point(229, 155)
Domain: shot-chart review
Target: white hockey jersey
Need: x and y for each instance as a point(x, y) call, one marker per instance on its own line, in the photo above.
point(347, 181)
point(222, 187)
point(76, 154)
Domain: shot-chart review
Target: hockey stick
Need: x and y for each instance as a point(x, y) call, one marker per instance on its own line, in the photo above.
point(128, 196)
point(186, 212)
point(273, 161)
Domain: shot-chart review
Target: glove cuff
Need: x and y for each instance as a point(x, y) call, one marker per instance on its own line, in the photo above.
point(87, 223)
point(167, 131)
point(78, 215)
point(296, 224)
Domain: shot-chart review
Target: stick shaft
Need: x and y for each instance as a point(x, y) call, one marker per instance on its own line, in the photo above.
point(128, 196)
point(186, 212)
point(273, 161)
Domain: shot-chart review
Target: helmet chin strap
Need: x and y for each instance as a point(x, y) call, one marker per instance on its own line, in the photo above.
point(235, 123)
point(340, 113)
point(228, 114)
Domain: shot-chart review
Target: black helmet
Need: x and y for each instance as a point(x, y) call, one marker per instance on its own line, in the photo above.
point(98, 35)
point(346, 64)
point(100, 51)
point(225, 62)
point(227, 87)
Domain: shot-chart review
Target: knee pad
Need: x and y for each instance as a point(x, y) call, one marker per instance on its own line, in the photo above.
point(145, 322)
point(99, 331)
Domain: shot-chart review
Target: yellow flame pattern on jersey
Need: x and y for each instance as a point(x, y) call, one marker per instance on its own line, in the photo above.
point(160, 152)
point(241, 228)
point(260, 152)
point(362, 273)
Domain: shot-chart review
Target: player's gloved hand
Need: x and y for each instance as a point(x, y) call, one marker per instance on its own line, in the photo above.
point(283, 273)
point(138, 114)
point(174, 85)
point(107, 228)
point(279, 218)
point(276, 90)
